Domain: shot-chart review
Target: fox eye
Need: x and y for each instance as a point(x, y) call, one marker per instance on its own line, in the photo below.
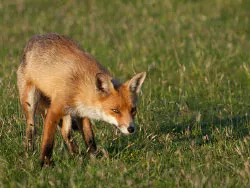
point(133, 111)
point(116, 111)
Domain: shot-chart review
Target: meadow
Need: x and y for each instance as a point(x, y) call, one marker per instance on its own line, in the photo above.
point(193, 121)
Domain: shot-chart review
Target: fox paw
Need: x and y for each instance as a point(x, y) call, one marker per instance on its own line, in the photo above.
point(47, 163)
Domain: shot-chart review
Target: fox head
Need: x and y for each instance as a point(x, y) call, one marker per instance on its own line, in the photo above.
point(118, 101)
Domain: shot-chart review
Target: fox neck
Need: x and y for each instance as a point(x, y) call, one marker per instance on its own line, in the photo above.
point(92, 112)
point(86, 105)
point(86, 101)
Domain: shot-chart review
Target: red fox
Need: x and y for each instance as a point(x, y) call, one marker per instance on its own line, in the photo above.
point(55, 74)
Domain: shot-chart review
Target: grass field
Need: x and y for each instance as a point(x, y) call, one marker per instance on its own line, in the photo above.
point(194, 112)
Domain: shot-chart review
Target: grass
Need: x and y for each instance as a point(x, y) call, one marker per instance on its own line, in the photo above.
point(193, 121)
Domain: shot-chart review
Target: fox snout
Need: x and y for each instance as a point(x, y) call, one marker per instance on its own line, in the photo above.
point(130, 129)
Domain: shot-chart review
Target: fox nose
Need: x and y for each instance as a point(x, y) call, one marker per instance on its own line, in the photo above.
point(131, 129)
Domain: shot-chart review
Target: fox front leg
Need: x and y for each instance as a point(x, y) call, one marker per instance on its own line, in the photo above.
point(85, 128)
point(67, 134)
point(50, 124)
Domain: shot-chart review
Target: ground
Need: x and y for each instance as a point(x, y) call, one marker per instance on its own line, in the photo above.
point(193, 114)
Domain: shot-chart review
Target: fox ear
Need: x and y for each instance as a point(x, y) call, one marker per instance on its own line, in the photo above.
point(103, 84)
point(136, 82)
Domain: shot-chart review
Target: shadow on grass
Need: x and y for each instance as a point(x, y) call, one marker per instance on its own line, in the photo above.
point(235, 127)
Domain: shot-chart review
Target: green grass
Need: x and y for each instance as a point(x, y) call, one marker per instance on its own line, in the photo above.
point(194, 111)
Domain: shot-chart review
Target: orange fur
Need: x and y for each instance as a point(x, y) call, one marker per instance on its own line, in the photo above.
point(57, 75)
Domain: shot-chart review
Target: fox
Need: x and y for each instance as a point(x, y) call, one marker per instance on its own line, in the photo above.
point(58, 77)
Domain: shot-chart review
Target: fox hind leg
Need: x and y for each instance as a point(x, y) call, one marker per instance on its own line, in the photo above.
point(29, 97)
point(29, 101)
